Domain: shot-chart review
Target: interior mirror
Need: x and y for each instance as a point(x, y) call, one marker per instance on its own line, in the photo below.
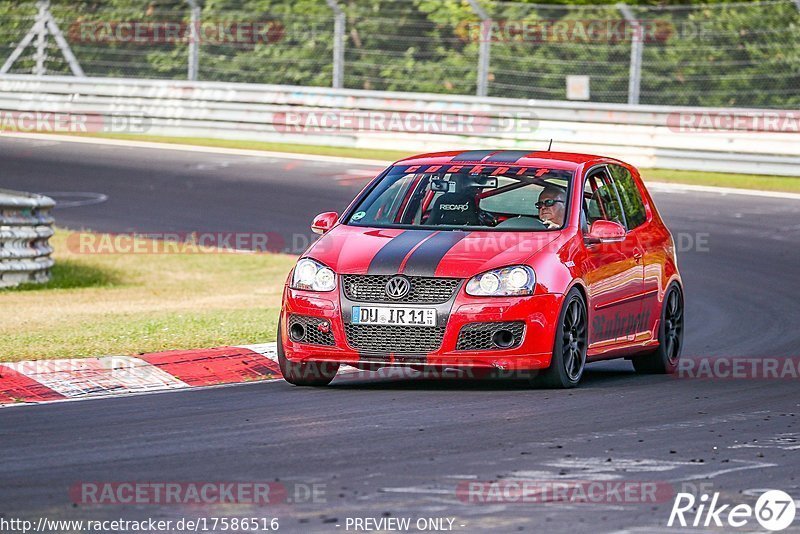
point(485, 182)
point(441, 185)
point(324, 222)
point(603, 231)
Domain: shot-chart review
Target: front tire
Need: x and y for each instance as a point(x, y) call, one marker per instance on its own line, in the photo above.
point(569, 348)
point(306, 373)
point(665, 358)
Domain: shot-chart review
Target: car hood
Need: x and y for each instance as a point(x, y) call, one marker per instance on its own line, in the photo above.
point(445, 253)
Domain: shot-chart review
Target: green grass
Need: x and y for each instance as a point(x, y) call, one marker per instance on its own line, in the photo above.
point(132, 333)
point(99, 304)
point(71, 274)
point(744, 181)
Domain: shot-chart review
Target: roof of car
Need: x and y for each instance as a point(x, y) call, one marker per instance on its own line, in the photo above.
point(527, 158)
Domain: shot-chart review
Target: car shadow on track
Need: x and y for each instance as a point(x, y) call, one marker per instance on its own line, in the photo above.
point(597, 376)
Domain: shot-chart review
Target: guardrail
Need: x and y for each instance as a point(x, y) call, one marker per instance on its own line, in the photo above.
point(25, 228)
point(647, 136)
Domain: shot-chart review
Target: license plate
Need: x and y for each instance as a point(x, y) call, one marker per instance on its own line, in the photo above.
point(394, 316)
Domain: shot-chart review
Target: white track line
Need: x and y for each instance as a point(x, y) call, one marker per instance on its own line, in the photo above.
point(664, 187)
point(196, 148)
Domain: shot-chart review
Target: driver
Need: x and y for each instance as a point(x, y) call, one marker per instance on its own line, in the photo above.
point(552, 206)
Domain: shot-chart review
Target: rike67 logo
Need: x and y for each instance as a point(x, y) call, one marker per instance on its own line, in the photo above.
point(774, 510)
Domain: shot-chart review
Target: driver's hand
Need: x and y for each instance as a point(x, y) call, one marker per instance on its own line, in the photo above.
point(549, 224)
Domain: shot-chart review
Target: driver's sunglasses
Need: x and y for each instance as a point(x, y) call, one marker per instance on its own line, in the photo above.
point(549, 203)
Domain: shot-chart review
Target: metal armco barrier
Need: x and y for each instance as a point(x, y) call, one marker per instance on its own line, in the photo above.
point(646, 136)
point(25, 228)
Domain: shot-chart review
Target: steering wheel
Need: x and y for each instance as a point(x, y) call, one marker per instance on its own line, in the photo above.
point(487, 218)
point(537, 223)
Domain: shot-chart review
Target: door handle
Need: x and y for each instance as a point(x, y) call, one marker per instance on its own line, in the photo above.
point(637, 254)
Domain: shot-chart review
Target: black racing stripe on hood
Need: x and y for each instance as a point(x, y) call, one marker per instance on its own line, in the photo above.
point(508, 156)
point(473, 155)
point(389, 258)
point(425, 260)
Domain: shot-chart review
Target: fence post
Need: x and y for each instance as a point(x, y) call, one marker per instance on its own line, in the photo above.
point(194, 42)
point(338, 44)
point(484, 49)
point(637, 47)
point(41, 38)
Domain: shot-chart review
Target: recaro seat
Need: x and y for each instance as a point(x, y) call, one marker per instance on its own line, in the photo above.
point(455, 209)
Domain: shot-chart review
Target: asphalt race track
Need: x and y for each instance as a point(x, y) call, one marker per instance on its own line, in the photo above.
point(400, 447)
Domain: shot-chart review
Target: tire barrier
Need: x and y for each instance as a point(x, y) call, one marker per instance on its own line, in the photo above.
point(26, 226)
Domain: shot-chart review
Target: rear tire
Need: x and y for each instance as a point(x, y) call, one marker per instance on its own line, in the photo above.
point(306, 373)
point(665, 358)
point(569, 348)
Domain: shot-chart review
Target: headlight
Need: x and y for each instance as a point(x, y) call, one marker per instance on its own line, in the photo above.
point(313, 276)
point(508, 281)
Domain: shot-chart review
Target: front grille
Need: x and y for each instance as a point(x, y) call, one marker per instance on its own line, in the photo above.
point(478, 336)
point(312, 336)
point(424, 290)
point(383, 339)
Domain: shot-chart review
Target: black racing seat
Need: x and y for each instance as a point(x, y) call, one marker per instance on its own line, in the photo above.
point(455, 209)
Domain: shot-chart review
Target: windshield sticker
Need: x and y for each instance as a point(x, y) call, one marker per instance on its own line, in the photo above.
point(490, 170)
point(357, 216)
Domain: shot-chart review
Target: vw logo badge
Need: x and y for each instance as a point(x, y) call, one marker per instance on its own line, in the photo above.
point(398, 287)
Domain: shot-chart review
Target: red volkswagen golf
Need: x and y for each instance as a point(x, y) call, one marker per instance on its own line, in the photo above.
point(534, 263)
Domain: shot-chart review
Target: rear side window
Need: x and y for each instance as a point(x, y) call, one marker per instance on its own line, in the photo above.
point(629, 195)
point(601, 201)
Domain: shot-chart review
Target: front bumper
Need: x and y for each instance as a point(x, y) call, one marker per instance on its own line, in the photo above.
point(538, 312)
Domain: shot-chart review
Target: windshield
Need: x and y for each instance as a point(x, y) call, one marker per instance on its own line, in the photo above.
point(476, 197)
